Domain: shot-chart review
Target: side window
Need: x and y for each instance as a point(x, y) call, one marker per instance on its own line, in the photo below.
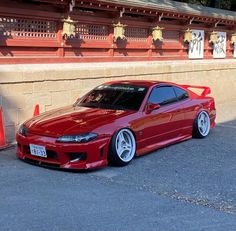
point(162, 95)
point(181, 94)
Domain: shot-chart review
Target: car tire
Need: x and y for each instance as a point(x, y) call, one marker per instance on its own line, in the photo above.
point(122, 148)
point(201, 125)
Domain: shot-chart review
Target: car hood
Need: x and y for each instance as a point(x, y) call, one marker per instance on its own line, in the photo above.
point(72, 120)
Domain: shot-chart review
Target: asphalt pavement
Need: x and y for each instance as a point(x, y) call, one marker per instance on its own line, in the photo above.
point(188, 186)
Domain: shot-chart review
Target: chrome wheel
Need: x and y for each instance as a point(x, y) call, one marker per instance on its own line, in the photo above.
point(203, 123)
point(125, 145)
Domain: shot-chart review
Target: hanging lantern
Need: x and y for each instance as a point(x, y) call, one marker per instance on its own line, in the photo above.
point(68, 27)
point(119, 31)
point(233, 38)
point(213, 37)
point(188, 37)
point(157, 33)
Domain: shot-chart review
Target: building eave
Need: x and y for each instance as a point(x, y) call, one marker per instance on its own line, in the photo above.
point(176, 7)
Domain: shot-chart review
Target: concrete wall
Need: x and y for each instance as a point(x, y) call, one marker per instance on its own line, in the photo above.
point(55, 85)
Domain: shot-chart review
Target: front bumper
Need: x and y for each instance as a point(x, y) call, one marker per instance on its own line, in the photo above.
point(64, 155)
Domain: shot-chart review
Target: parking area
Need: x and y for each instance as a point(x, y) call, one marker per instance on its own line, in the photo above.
point(187, 186)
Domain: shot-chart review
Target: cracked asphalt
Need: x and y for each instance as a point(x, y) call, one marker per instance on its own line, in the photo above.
point(188, 186)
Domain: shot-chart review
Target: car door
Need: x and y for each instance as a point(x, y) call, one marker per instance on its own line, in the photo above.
point(188, 108)
point(165, 123)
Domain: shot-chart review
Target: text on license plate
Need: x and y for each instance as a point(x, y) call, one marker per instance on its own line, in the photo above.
point(38, 150)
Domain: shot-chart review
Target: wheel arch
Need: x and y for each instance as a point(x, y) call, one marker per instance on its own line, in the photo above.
point(125, 127)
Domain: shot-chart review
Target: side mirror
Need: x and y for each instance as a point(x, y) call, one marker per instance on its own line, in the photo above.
point(151, 107)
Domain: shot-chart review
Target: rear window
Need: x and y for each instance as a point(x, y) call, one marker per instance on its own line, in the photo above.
point(180, 93)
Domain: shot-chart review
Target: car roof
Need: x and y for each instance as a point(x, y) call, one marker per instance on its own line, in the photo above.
point(146, 83)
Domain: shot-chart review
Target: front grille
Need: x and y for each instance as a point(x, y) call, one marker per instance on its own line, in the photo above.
point(31, 161)
point(51, 154)
point(26, 149)
point(45, 164)
point(50, 165)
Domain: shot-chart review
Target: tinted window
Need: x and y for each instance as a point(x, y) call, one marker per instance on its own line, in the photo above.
point(181, 94)
point(162, 95)
point(115, 96)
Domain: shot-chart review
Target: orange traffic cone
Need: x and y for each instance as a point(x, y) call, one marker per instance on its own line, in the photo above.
point(36, 110)
point(3, 143)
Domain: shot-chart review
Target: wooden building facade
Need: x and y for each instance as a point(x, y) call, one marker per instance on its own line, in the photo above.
point(31, 31)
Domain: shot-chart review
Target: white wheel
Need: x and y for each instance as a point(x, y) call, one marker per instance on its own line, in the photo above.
point(202, 125)
point(123, 147)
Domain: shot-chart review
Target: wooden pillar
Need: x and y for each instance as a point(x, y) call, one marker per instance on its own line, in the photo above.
point(208, 47)
point(182, 51)
point(150, 45)
point(229, 53)
point(61, 41)
point(111, 41)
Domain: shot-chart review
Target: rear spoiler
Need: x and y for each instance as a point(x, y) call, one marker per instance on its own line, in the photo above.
point(205, 90)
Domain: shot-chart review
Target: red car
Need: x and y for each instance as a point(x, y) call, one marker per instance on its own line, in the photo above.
point(114, 122)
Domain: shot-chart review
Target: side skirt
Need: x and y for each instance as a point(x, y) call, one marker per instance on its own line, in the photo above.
point(162, 144)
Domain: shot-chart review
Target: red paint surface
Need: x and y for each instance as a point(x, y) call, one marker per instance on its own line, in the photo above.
point(167, 125)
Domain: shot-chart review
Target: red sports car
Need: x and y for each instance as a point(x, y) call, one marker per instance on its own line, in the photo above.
point(114, 122)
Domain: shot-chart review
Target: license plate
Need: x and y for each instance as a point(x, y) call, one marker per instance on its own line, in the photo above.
point(38, 150)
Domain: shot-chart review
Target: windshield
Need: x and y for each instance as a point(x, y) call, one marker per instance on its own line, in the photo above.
point(115, 96)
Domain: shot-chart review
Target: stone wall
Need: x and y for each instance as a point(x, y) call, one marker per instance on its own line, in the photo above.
point(55, 85)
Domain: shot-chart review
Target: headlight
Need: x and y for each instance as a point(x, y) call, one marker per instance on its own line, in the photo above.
point(23, 130)
point(82, 138)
